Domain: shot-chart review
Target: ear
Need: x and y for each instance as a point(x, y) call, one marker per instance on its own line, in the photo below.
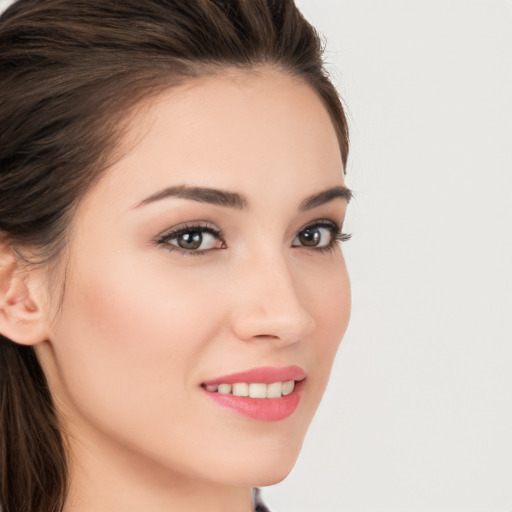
point(21, 313)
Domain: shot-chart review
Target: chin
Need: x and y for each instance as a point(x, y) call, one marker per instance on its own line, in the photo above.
point(263, 475)
point(268, 459)
point(265, 465)
point(272, 477)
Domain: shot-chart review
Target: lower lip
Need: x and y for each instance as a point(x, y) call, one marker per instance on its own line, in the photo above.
point(262, 409)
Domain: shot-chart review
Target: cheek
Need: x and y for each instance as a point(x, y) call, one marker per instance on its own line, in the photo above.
point(330, 305)
point(128, 337)
point(330, 298)
point(336, 310)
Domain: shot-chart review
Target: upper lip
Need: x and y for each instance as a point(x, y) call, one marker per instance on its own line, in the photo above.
point(263, 374)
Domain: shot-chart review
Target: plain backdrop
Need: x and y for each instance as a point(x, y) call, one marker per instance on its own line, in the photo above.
point(418, 413)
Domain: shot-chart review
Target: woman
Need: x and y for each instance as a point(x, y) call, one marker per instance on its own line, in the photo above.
point(172, 288)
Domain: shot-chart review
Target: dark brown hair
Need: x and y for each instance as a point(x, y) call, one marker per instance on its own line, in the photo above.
point(70, 72)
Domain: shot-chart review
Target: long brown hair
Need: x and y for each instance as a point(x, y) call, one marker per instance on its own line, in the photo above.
point(70, 71)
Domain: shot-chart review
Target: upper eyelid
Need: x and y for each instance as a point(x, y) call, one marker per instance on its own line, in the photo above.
point(321, 222)
point(192, 226)
point(167, 236)
point(209, 227)
point(333, 226)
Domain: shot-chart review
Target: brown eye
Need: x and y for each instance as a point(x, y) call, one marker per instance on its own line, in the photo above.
point(310, 237)
point(193, 239)
point(190, 241)
point(317, 235)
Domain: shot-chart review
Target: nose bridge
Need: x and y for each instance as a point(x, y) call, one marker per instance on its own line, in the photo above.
point(269, 302)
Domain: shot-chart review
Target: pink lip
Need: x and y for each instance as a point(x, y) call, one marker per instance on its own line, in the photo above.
point(262, 409)
point(265, 375)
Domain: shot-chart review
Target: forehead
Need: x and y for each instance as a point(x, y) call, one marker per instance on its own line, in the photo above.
point(243, 131)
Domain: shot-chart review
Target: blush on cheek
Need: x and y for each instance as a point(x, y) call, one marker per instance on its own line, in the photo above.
point(138, 325)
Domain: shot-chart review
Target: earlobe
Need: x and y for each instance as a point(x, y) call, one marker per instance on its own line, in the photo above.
point(21, 318)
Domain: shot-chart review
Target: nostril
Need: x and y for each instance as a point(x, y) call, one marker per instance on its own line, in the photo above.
point(274, 318)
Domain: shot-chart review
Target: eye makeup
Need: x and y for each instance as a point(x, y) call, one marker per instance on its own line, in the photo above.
point(313, 232)
point(188, 238)
point(200, 238)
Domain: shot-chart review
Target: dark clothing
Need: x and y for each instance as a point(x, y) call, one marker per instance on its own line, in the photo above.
point(257, 504)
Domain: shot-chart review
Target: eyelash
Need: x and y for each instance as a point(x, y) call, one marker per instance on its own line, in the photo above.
point(336, 236)
point(189, 228)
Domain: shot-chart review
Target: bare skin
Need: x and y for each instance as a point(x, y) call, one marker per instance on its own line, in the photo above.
point(144, 322)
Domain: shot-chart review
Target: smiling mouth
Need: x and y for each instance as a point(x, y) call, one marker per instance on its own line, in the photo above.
point(253, 389)
point(264, 394)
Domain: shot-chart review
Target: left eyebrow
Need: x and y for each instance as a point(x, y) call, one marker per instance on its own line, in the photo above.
point(325, 196)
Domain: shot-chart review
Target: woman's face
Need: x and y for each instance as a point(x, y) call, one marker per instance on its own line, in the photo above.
point(206, 251)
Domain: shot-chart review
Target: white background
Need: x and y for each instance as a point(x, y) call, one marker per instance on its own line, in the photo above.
point(418, 414)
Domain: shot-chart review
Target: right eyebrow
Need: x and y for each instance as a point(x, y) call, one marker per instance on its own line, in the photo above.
point(200, 194)
point(326, 196)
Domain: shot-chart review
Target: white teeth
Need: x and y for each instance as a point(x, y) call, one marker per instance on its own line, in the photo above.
point(224, 389)
point(241, 389)
point(274, 390)
point(288, 387)
point(254, 389)
point(257, 390)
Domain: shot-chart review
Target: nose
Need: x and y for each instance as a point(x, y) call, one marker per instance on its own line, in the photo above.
point(268, 304)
